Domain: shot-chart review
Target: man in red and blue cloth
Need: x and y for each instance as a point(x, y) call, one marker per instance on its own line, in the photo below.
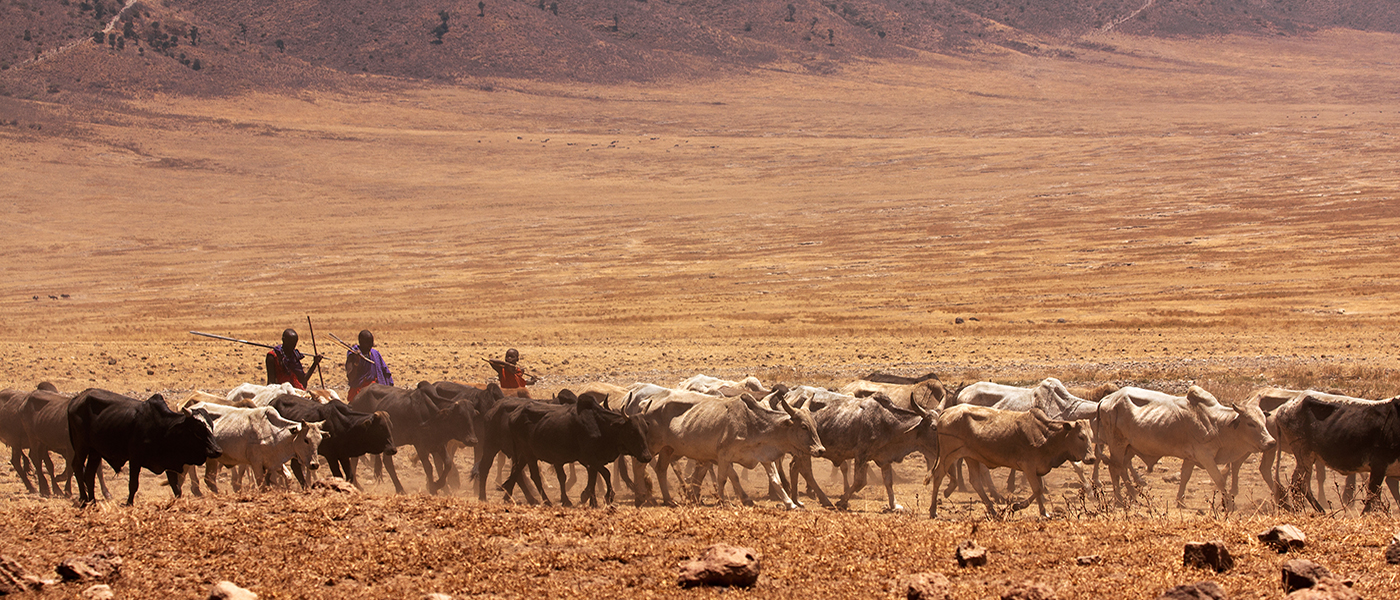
point(284, 363)
point(364, 365)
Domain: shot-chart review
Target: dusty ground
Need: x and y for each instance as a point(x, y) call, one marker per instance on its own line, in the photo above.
point(1219, 211)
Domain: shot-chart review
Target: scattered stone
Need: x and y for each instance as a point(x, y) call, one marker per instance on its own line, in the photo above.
point(437, 597)
point(1326, 589)
point(1201, 590)
point(1392, 554)
point(1208, 555)
point(1300, 574)
point(15, 580)
point(1284, 538)
point(335, 484)
point(104, 565)
point(226, 590)
point(721, 565)
point(1026, 590)
point(1092, 559)
point(958, 320)
point(927, 586)
point(100, 591)
point(971, 555)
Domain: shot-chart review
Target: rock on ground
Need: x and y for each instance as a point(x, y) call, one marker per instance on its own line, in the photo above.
point(1326, 589)
point(15, 580)
point(1201, 590)
point(1208, 555)
point(1284, 538)
point(1026, 590)
point(1392, 553)
point(721, 565)
point(927, 586)
point(335, 484)
point(969, 554)
point(103, 565)
point(1301, 574)
point(100, 591)
point(226, 590)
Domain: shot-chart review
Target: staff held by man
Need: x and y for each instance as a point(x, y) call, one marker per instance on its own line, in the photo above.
point(364, 365)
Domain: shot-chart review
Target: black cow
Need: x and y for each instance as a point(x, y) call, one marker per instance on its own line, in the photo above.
point(1348, 437)
point(583, 432)
point(420, 421)
point(349, 433)
point(107, 426)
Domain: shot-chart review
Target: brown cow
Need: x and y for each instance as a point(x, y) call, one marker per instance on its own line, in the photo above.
point(1030, 442)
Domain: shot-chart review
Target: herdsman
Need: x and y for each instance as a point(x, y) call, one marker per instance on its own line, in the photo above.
point(284, 363)
point(364, 365)
point(513, 378)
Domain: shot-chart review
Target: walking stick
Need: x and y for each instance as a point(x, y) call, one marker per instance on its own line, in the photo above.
point(319, 372)
point(352, 350)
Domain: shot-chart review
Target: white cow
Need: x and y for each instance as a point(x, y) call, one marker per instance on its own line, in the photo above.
point(1195, 427)
point(715, 386)
point(725, 431)
point(929, 394)
point(263, 395)
point(260, 439)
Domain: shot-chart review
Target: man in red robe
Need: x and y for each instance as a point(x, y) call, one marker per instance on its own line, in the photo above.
point(284, 363)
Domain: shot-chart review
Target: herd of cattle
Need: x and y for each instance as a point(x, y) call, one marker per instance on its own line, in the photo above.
point(273, 432)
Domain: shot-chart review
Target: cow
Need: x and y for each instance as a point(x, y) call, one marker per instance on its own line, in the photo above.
point(560, 434)
point(425, 419)
point(725, 431)
point(1348, 435)
point(1030, 442)
point(722, 387)
point(865, 430)
point(103, 425)
point(259, 440)
point(252, 394)
point(44, 418)
point(1195, 427)
point(12, 433)
point(881, 377)
point(349, 433)
point(929, 394)
point(1050, 396)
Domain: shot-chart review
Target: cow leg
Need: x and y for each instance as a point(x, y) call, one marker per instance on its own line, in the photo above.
point(1373, 489)
point(483, 457)
point(858, 480)
point(211, 471)
point(21, 465)
point(425, 458)
point(1186, 469)
point(691, 485)
point(775, 485)
point(570, 480)
point(1266, 472)
point(1037, 492)
point(607, 480)
point(887, 475)
point(981, 478)
point(387, 460)
point(1011, 482)
point(1348, 489)
point(1394, 484)
point(802, 467)
point(940, 469)
point(102, 480)
point(661, 464)
point(38, 458)
point(956, 482)
point(539, 483)
point(562, 476)
point(1216, 476)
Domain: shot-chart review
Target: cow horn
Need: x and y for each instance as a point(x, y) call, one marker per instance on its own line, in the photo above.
point(787, 407)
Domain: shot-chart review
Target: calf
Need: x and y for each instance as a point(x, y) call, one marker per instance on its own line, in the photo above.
point(106, 426)
point(1029, 442)
point(348, 433)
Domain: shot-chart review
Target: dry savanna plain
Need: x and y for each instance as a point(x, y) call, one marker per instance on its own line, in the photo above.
point(1219, 211)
